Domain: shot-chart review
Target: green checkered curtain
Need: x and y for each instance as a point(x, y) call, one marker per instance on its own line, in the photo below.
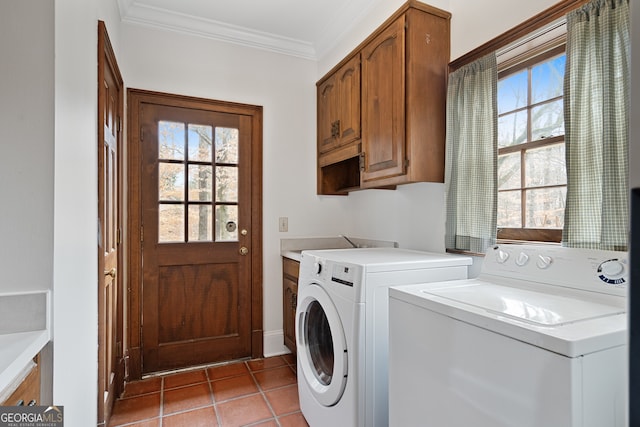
point(471, 156)
point(596, 102)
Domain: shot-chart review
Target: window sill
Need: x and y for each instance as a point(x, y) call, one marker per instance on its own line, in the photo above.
point(462, 252)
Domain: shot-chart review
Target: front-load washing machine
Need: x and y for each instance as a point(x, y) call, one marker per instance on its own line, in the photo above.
point(342, 329)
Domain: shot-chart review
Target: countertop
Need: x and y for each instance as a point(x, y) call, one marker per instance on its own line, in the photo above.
point(292, 248)
point(16, 351)
point(24, 331)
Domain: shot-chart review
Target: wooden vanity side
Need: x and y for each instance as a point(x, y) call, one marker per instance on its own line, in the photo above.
point(28, 391)
point(290, 274)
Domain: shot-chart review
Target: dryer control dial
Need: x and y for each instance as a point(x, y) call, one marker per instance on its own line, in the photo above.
point(317, 267)
point(611, 271)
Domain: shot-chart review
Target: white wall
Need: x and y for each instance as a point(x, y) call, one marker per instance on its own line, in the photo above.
point(26, 137)
point(75, 206)
point(476, 22)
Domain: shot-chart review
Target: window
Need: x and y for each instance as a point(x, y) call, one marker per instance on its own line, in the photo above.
point(204, 205)
point(532, 178)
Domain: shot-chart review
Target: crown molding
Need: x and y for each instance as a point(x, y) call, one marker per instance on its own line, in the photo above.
point(135, 13)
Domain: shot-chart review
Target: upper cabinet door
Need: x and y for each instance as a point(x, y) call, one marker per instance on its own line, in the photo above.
point(349, 101)
point(339, 107)
point(327, 113)
point(383, 109)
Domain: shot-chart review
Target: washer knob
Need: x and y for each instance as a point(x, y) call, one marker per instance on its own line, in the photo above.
point(522, 259)
point(612, 268)
point(544, 261)
point(502, 256)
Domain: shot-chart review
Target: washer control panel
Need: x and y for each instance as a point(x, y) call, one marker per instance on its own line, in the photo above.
point(586, 269)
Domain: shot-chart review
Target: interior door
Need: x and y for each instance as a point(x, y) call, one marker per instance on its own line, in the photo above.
point(110, 324)
point(196, 236)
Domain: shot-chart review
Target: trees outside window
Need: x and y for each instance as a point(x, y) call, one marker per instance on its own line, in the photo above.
point(532, 178)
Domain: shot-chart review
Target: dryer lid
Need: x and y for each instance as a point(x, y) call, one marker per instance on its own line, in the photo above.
point(536, 308)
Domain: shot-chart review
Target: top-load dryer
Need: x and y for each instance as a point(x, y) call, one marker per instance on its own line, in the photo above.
point(342, 328)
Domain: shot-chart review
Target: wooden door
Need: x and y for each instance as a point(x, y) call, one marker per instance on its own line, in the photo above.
point(110, 323)
point(383, 109)
point(197, 225)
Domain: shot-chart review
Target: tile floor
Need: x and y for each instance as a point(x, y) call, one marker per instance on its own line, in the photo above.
point(260, 392)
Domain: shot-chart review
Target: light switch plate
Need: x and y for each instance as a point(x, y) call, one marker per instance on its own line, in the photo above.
point(283, 224)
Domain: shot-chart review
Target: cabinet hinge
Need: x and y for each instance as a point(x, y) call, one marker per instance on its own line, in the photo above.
point(142, 233)
point(362, 162)
point(119, 349)
point(406, 163)
point(119, 236)
point(119, 124)
point(141, 134)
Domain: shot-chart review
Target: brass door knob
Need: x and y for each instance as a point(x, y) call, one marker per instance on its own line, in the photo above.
point(244, 250)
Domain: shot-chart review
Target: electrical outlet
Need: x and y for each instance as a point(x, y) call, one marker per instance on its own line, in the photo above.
point(283, 224)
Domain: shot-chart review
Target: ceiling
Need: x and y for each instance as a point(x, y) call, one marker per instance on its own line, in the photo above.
point(302, 28)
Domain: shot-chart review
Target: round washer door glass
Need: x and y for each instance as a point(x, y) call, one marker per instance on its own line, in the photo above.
point(319, 341)
point(321, 345)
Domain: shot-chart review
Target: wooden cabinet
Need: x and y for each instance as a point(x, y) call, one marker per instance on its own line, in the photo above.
point(403, 72)
point(339, 107)
point(290, 273)
point(27, 391)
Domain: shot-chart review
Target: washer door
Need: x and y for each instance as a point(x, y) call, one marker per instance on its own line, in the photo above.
point(322, 349)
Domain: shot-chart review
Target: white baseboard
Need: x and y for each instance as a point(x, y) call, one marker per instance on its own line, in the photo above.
point(273, 344)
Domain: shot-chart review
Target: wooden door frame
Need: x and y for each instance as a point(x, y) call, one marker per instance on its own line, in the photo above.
point(107, 58)
point(136, 97)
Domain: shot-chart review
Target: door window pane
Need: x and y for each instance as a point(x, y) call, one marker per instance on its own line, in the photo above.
point(226, 184)
point(226, 145)
point(200, 137)
point(170, 181)
point(200, 182)
point(545, 166)
point(509, 171)
point(545, 207)
point(171, 223)
point(509, 209)
point(226, 223)
point(170, 140)
point(200, 223)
